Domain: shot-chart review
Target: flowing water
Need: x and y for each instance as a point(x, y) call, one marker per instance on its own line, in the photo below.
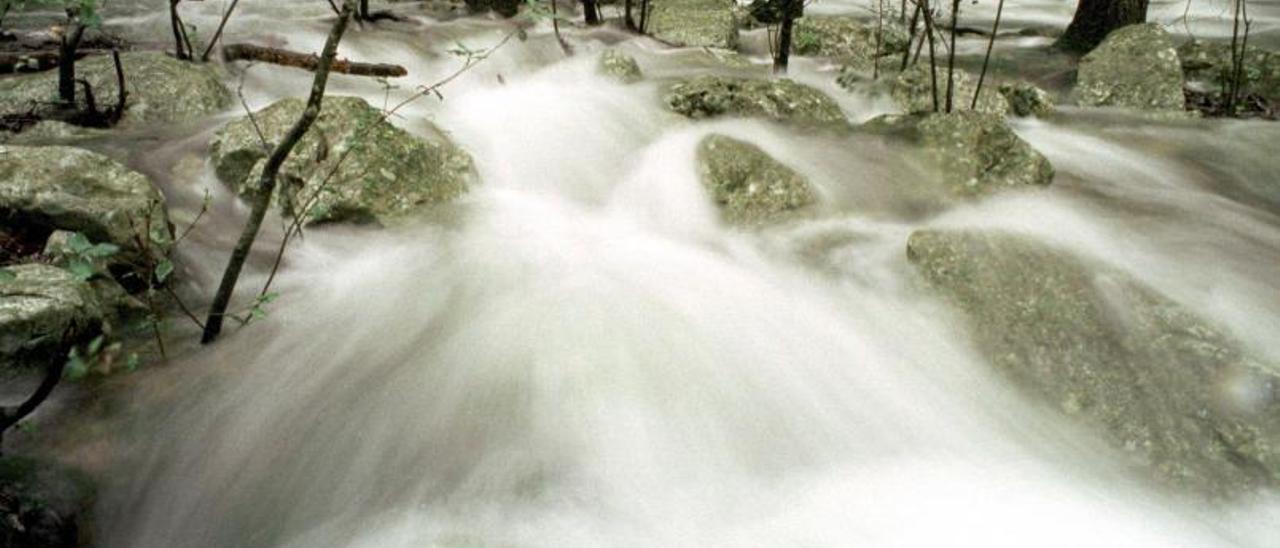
point(580, 353)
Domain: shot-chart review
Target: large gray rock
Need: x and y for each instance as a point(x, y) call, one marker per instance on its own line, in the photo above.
point(43, 310)
point(1136, 67)
point(847, 38)
point(975, 153)
point(619, 66)
point(382, 172)
point(1025, 99)
point(1160, 383)
point(697, 23)
point(161, 89)
point(72, 189)
point(779, 99)
point(749, 186)
point(1210, 63)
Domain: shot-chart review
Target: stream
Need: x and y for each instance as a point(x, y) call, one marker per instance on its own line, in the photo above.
point(579, 352)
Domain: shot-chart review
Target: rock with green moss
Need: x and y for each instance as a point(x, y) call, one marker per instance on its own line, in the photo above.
point(1026, 99)
point(779, 99)
point(847, 38)
point(43, 505)
point(43, 189)
point(696, 23)
point(352, 166)
point(619, 66)
point(1162, 384)
point(43, 311)
point(750, 187)
point(974, 153)
point(1135, 67)
point(161, 89)
point(1209, 63)
point(913, 90)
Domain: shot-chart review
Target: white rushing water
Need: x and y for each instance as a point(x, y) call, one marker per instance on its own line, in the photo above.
point(580, 353)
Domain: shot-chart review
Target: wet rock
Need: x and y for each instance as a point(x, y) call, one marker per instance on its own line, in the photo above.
point(72, 189)
point(750, 186)
point(619, 66)
point(383, 173)
point(696, 23)
point(1135, 67)
point(912, 90)
point(1025, 99)
point(42, 505)
point(161, 89)
point(1163, 385)
point(43, 311)
point(780, 99)
point(847, 38)
point(1209, 63)
point(975, 153)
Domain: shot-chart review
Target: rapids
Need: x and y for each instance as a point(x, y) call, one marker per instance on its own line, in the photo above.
point(579, 353)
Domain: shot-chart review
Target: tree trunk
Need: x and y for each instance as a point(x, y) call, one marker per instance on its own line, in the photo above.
point(626, 15)
point(792, 10)
point(67, 63)
point(590, 12)
point(267, 181)
point(363, 13)
point(1095, 19)
point(180, 49)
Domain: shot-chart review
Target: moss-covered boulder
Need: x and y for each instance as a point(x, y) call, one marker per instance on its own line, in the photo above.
point(974, 153)
point(696, 23)
point(619, 66)
point(1026, 99)
point(847, 38)
point(43, 311)
point(750, 187)
point(912, 89)
point(779, 99)
point(1135, 67)
point(161, 89)
point(352, 166)
point(43, 189)
point(1165, 386)
point(1209, 63)
point(43, 505)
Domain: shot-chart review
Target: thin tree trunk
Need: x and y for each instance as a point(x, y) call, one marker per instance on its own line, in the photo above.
point(204, 57)
point(10, 416)
point(875, 60)
point(267, 181)
point(626, 15)
point(951, 54)
point(67, 62)
point(991, 44)
point(180, 49)
point(644, 16)
point(911, 35)
point(1095, 19)
point(783, 55)
point(363, 13)
point(933, 59)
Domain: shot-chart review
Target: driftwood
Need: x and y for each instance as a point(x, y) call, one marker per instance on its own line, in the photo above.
point(307, 61)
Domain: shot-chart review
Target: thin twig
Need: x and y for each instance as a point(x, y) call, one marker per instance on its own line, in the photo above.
point(991, 44)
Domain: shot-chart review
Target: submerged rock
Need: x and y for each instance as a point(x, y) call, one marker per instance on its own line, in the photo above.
point(66, 188)
point(697, 23)
point(780, 99)
point(975, 153)
point(1025, 99)
point(1160, 383)
point(619, 66)
point(42, 505)
point(847, 38)
point(43, 311)
point(161, 89)
point(382, 172)
point(749, 186)
point(1135, 67)
point(1210, 63)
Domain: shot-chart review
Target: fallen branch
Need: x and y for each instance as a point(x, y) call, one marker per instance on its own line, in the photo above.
point(307, 61)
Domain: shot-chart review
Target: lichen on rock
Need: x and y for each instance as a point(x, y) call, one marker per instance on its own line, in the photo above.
point(619, 66)
point(1135, 67)
point(44, 309)
point(697, 23)
point(352, 166)
point(750, 187)
point(779, 99)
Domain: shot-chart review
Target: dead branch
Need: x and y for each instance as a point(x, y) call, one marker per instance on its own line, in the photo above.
point(307, 61)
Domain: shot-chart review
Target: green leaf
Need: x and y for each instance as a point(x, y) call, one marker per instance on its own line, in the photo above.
point(95, 345)
point(76, 368)
point(82, 269)
point(268, 298)
point(78, 242)
point(163, 270)
point(102, 250)
point(132, 363)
